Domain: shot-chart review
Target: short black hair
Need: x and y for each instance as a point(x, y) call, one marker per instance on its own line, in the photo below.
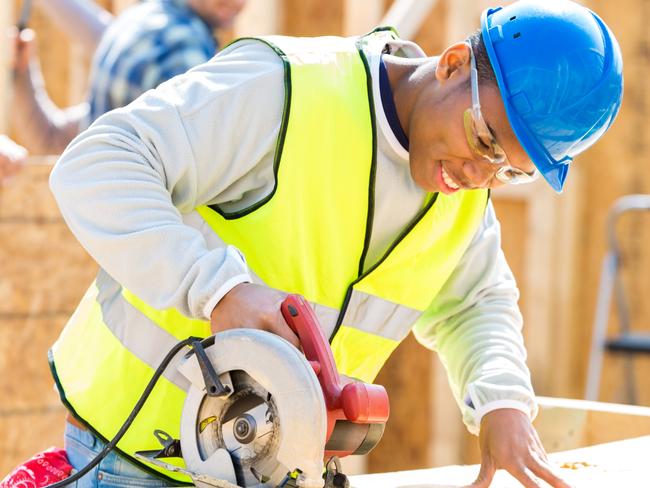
point(483, 65)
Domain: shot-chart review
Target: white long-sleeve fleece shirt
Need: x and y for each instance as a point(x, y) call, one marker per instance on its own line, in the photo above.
point(128, 187)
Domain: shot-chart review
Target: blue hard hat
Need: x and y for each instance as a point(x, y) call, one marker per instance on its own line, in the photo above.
point(560, 73)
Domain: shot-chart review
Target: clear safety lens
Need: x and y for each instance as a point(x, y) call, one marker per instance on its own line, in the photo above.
point(480, 139)
point(483, 143)
point(515, 176)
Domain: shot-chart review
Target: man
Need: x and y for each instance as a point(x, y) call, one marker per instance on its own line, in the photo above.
point(12, 159)
point(147, 44)
point(353, 171)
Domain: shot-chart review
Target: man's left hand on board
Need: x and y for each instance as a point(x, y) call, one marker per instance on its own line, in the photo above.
point(509, 441)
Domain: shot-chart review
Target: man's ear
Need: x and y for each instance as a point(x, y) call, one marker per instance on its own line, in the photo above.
point(454, 61)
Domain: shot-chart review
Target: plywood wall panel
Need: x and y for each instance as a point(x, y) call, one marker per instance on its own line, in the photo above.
point(43, 273)
point(43, 267)
point(28, 198)
point(24, 343)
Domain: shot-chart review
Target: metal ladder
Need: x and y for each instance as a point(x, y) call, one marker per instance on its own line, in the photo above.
point(625, 341)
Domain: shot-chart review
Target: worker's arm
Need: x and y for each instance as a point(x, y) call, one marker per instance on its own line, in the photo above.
point(43, 127)
point(128, 185)
point(475, 325)
point(83, 20)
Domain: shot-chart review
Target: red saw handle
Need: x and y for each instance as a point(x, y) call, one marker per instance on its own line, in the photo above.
point(361, 402)
point(302, 320)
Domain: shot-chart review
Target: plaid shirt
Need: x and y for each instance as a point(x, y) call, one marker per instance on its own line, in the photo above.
point(149, 43)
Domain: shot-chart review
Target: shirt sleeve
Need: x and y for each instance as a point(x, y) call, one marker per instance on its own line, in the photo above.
point(151, 61)
point(475, 326)
point(127, 185)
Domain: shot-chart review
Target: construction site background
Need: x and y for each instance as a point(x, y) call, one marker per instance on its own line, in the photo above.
point(554, 244)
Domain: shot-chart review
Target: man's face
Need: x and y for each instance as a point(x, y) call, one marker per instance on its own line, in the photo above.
point(217, 13)
point(441, 157)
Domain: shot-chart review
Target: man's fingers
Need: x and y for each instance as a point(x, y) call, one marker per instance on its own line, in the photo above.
point(544, 471)
point(282, 329)
point(540, 447)
point(521, 474)
point(485, 476)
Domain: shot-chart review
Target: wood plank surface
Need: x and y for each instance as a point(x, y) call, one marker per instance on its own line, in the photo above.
point(617, 464)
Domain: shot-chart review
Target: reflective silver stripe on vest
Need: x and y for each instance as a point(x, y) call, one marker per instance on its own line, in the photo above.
point(381, 317)
point(136, 332)
point(365, 312)
point(327, 317)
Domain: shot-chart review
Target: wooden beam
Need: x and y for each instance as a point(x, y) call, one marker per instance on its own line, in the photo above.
point(570, 424)
point(361, 16)
point(407, 16)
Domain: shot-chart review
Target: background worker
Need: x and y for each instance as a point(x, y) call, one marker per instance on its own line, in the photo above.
point(147, 44)
point(356, 178)
point(12, 159)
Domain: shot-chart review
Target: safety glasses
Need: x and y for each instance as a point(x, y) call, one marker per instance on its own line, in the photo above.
point(483, 143)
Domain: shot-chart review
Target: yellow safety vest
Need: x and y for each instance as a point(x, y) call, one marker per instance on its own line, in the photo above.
point(309, 236)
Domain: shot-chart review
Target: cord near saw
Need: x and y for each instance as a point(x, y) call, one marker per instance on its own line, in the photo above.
point(127, 423)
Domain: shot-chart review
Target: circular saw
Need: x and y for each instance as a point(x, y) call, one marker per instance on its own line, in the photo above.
point(260, 413)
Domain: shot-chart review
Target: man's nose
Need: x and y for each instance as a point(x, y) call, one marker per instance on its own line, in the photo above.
point(479, 173)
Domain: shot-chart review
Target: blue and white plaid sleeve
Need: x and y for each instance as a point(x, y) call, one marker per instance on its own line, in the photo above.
point(154, 61)
point(139, 61)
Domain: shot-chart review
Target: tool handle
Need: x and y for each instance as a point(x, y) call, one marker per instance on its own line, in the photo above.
point(302, 320)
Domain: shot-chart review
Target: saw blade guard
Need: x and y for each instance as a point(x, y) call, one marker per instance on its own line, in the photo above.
point(273, 421)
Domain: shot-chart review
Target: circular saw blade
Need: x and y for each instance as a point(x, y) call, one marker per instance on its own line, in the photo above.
point(245, 424)
point(273, 422)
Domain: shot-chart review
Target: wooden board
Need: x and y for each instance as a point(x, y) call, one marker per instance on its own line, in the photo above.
point(618, 464)
point(570, 424)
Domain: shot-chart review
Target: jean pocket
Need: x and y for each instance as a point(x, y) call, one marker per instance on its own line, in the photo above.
point(79, 453)
point(83, 437)
point(110, 480)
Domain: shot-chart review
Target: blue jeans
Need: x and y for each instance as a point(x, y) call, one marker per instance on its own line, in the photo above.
point(114, 471)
